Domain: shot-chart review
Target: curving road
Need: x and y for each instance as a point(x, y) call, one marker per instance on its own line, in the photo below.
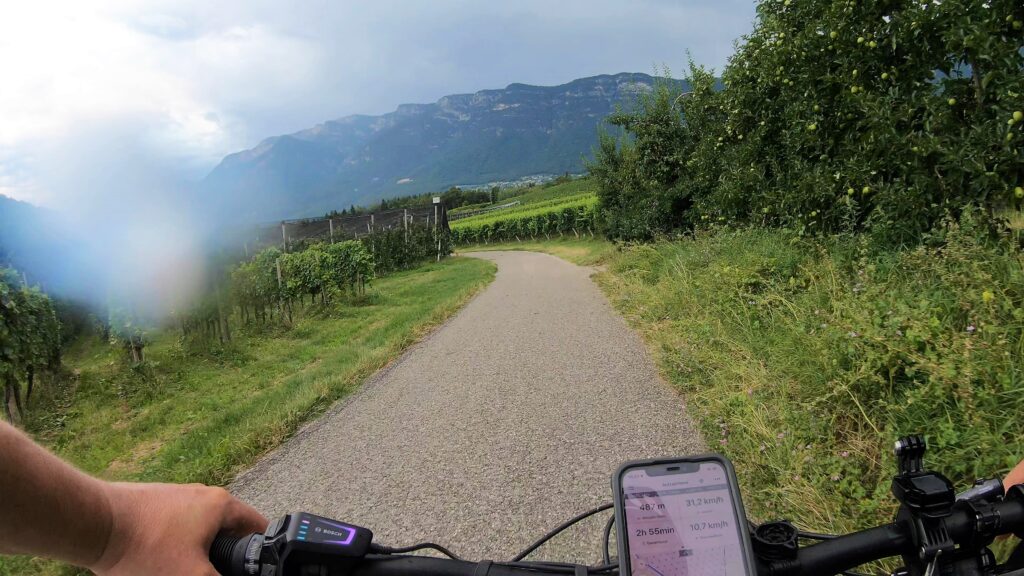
point(505, 422)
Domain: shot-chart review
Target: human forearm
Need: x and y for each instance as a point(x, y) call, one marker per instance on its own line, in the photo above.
point(48, 507)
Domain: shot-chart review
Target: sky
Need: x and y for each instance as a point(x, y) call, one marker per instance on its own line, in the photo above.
point(109, 103)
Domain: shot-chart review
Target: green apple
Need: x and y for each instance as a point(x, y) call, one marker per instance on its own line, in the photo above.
point(951, 101)
point(1018, 115)
point(1018, 192)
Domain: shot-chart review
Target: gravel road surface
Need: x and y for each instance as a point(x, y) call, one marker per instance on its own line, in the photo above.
point(505, 422)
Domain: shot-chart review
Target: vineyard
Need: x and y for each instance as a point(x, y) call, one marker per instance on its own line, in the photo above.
point(294, 235)
point(270, 283)
point(29, 338)
point(568, 215)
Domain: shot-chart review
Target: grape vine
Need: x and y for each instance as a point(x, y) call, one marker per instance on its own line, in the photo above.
point(29, 338)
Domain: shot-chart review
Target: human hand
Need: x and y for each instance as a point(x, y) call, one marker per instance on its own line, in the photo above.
point(167, 529)
point(1016, 476)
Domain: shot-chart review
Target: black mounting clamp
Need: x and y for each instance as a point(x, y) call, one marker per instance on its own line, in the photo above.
point(909, 452)
point(926, 499)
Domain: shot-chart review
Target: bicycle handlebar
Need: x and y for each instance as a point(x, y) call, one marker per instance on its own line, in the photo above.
point(934, 528)
point(826, 558)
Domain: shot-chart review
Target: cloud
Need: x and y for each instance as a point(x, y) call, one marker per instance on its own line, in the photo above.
point(209, 78)
point(112, 108)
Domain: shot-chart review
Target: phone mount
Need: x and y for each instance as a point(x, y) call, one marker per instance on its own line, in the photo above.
point(926, 499)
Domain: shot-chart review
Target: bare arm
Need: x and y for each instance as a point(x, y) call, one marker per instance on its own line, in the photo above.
point(1016, 476)
point(51, 509)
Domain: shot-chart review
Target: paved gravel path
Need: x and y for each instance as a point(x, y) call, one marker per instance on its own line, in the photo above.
point(507, 421)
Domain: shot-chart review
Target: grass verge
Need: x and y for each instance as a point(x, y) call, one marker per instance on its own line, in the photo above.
point(580, 251)
point(804, 360)
point(203, 415)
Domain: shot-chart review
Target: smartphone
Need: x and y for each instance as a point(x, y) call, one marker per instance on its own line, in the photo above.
point(681, 517)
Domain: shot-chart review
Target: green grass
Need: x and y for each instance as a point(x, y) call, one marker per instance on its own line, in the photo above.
point(550, 192)
point(527, 210)
point(203, 415)
point(581, 251)
point(804, 360)
point(537, 194)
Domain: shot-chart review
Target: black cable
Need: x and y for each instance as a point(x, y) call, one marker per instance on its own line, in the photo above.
point(608, 539)
point(815, 535)
point(378, 549)
point(557, 567)
point(558, 530)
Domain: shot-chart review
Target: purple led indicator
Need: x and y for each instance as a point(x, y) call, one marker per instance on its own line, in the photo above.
point(350, 534)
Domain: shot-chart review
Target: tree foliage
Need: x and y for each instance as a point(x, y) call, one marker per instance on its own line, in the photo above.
point(882, 116)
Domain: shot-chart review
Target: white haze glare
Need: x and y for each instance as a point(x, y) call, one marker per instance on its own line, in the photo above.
point(136, 239)
point(112, 109)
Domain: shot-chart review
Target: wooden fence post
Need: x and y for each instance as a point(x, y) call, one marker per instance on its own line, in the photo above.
point(280, 300)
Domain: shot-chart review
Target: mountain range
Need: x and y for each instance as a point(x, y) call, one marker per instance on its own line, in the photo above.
point(462, 139)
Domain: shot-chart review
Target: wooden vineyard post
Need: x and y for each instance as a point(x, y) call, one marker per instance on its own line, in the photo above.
point(405, 223)
point(437, 203)
point(284, 238)
point(330, 223)
point(280, 297)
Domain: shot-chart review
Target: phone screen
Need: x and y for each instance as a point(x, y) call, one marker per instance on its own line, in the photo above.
point(680, 520)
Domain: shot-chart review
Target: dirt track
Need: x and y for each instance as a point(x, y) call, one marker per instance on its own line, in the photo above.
point(502, 424)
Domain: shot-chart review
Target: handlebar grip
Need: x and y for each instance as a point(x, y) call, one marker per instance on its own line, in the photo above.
point(227, 554)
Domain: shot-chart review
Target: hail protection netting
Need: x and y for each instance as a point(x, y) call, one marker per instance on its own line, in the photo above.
point(294, 234)
point(395, 238)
